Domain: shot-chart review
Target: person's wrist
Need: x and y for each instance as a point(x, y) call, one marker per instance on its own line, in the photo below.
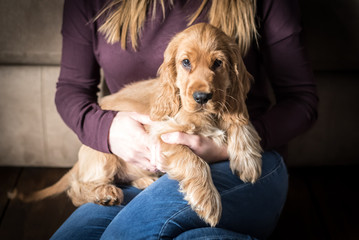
point(110, 137)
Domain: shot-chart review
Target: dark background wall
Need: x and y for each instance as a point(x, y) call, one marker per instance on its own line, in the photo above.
point(331, 36)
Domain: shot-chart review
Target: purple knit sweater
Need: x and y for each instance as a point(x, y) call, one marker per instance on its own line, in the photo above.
point(277, 61)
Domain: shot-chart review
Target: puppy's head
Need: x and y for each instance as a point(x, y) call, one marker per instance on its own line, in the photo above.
point(202, 71)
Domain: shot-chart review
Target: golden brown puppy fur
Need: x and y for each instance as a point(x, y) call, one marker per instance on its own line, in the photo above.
point(216, 67)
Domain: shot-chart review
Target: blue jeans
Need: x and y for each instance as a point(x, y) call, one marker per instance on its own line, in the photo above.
point(159, 212)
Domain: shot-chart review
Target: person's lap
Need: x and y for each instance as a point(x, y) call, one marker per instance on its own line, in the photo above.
point(160, 211)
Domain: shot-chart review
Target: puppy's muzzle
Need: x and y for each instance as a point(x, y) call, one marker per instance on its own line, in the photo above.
point(202, 97)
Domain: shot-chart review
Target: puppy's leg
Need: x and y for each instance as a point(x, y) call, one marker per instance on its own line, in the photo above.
point(245, 152)
point(96, 175)
point(100, 193)
point(194, 177)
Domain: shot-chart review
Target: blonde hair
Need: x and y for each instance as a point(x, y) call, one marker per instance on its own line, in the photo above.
point(234, 17)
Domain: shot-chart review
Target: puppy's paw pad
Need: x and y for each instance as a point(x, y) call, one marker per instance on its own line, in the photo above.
point(109, 195)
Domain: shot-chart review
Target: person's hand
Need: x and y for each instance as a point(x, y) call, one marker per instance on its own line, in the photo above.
point(204, 147)
point(129, 140)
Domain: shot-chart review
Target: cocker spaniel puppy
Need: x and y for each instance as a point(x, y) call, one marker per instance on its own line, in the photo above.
point(201, 89)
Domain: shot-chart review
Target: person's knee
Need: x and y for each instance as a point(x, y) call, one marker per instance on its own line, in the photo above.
point(272, 162)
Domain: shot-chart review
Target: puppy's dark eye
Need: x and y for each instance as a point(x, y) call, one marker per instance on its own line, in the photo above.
point(217, 63)
point(186, 64)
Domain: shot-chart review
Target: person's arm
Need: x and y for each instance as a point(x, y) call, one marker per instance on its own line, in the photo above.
point(289, 73)
point(121, 133)
point(76, 94)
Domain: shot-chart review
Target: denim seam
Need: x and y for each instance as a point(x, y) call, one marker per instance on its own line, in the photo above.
point(169, 219)
point(249, 184)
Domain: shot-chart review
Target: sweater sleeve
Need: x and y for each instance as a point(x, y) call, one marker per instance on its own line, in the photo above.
point(289, 73)
point(77, 86)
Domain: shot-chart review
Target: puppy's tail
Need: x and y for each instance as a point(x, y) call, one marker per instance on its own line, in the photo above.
point(60, 186)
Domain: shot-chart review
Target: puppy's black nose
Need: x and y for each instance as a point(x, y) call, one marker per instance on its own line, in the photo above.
point(202, 97)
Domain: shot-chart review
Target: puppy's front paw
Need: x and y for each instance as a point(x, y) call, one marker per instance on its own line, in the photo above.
point(108, 195)
point(248, 169)
point(207, 204)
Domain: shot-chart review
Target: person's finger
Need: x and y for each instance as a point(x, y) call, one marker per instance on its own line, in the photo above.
point(172, 138)
point(192, 141)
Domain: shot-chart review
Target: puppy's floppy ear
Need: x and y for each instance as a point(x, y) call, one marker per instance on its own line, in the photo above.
point(243, 141)
point(167, 100)
point(240, 84)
